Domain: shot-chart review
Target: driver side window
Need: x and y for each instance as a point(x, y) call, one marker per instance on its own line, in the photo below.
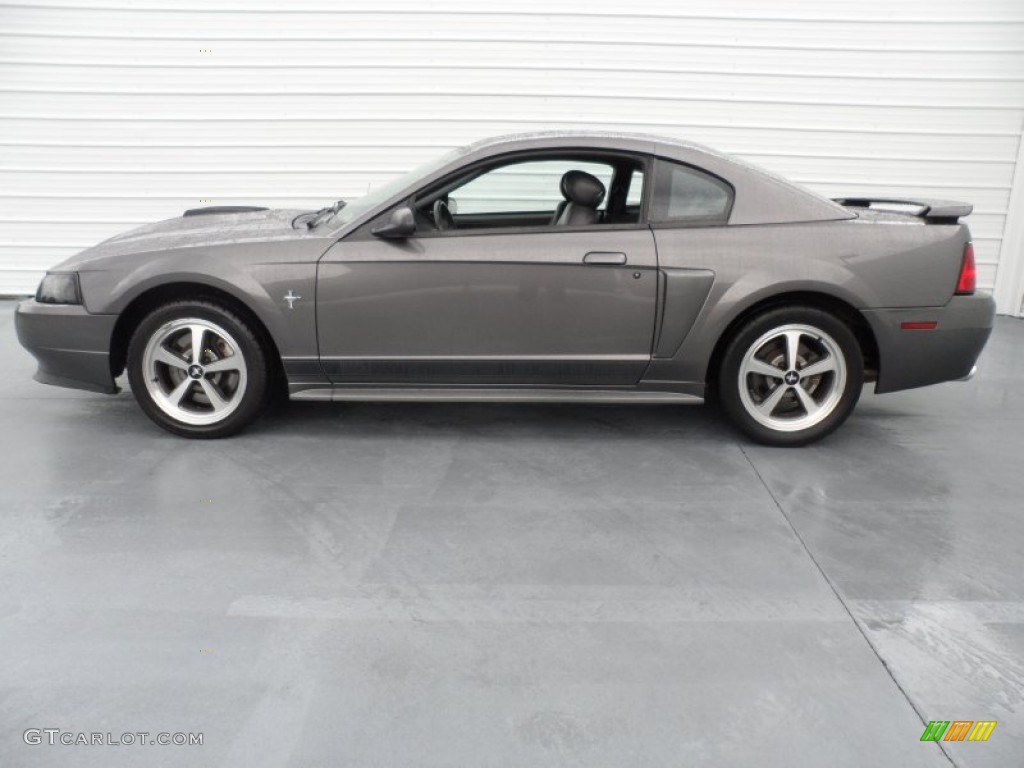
point(577, 190)
point(531, 186)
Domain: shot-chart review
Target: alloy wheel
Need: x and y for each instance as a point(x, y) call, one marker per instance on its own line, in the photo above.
point(792, 377)
point(195, 371)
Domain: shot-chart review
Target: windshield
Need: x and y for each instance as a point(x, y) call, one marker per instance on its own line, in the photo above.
point(376, 196)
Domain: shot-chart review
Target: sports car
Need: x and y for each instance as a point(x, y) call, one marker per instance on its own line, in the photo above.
point(555, 267)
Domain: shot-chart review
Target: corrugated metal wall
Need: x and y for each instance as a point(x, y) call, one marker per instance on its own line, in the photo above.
point(114, 113)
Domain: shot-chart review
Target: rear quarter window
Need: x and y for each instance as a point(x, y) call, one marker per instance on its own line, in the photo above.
point(688, 196)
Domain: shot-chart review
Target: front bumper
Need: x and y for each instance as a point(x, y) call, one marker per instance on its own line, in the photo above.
point(71, 346)
point(917, 358)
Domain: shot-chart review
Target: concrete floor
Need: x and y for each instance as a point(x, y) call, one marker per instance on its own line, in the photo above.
point(446, 585)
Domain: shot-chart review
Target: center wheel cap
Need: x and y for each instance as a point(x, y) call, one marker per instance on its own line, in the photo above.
point(195, 371)
point(791, 377)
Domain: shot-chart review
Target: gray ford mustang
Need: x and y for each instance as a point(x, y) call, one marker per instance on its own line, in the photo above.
point(589, 267)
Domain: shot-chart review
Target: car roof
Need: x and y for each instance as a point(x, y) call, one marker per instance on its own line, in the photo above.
point(560, 138)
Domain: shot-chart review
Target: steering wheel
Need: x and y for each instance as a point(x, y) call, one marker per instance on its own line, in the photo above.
point(443, 218)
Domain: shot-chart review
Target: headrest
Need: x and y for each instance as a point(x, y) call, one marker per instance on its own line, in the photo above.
point(582, 188)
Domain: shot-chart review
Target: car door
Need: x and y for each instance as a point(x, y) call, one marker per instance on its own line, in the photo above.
point(499, 305)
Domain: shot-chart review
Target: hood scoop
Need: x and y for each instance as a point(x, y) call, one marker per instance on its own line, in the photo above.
point(213, 210)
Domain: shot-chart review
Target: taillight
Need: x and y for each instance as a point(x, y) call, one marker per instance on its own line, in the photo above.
point(968, 279)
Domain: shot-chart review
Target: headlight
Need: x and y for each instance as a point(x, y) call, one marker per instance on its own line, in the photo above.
point(59, 288)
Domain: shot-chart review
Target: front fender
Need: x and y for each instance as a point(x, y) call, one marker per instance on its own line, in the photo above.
point(257, 277)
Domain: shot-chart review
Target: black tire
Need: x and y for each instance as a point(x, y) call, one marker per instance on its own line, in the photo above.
point(777, 418)
point(253, 370)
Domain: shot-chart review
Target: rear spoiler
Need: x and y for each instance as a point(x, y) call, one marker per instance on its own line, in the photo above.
point(939, 211)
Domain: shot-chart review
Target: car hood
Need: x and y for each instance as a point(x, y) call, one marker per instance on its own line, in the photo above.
point(197, 231)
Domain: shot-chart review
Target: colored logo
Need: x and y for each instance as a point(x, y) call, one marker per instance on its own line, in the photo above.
point(958, 730)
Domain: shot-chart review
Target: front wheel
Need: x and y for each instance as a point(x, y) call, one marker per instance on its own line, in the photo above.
point(197, 369)
point(791, 376)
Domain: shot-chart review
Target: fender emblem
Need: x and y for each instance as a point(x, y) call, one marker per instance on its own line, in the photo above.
point(291, 298)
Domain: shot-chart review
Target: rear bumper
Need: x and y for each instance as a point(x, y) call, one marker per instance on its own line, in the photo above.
point(71, 346)
point(915, 358)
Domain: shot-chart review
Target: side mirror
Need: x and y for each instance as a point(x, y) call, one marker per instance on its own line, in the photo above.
point(400, 224)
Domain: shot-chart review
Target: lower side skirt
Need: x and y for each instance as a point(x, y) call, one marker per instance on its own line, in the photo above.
point(489, 395)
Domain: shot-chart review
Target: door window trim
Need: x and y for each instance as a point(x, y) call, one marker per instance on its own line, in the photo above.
point(644, 164)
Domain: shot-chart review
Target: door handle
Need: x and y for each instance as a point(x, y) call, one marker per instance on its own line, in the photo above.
point(605, 258)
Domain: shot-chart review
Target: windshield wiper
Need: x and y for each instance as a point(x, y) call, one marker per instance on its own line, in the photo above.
point(324, 213)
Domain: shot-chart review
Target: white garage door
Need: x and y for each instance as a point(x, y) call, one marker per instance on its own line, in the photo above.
point(116, 113)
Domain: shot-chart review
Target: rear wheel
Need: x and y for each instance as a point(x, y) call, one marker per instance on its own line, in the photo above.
point(197, 369)
point(791, 376)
